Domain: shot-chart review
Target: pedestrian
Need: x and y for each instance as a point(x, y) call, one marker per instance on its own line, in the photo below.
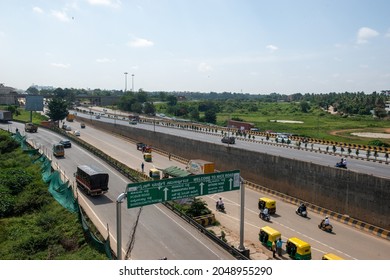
point(142, 167)
point(169, 156)
point(279, 245)
point(274, 249)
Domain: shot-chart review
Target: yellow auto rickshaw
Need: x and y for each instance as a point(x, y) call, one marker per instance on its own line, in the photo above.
point(148, 157)
point(298, 249)
point(331, 257)
point(154, 174)
point(58, 150)
point(269, 203)
point(268, 235)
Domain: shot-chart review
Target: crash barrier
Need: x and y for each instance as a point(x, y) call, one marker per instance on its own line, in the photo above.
point(205, 220)
point(380, 232)
point(63, 193)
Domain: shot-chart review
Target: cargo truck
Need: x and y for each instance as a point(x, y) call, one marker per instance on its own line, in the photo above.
point(91, 179)
point(200, 166)
point(5, 116)
point(70, 117)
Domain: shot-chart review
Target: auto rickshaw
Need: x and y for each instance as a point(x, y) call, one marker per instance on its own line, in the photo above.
point(269, 203)
point(154, 174)
point(298, 249)
point(148, 157)
point(331, 257)
point(58, 150)
point(268, 235)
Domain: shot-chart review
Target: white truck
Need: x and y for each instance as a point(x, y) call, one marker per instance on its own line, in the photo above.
point(5, 116)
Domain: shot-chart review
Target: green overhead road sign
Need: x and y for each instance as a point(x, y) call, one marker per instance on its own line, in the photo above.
point(151, 192)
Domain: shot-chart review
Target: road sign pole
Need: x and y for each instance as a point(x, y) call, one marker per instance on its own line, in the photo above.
point(242, 210)
point(119, 200)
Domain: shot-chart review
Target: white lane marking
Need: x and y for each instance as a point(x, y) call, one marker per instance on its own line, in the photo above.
point(287, 227)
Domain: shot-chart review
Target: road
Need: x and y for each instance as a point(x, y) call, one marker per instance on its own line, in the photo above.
point(359, 165)
point(159, 233)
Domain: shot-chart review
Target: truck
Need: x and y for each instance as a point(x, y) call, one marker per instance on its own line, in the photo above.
point(5, 116)
point(30, 127)
point(91, 179)
point(70, 117)
point(200, 166)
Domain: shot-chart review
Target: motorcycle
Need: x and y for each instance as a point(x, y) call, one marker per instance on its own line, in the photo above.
point(220, 207)
point(327, 228)
point(301, 213)
point(341, 165)
point(265, 217)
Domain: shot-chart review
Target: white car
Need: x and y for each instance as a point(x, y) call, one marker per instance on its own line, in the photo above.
point(68, 128)
point(76, 133)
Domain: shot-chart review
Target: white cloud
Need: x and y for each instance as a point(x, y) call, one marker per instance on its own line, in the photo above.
point(140, 43)
point(37, 10)
point(104, 60)
point(61, 16)
point(365, 33)
point(108, 3)
point(272, 48)
point(204, 67)
point(60, 65)
point(388, 33)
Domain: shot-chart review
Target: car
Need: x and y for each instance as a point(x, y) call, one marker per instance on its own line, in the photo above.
point(76, 133)
point(133, 121)
point(228, 140)
point(66, 143)
point(68, 128)
point(82, 125)
point(98, 117)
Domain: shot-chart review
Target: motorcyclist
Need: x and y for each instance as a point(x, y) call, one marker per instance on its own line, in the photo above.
point(265, 212)
point(302, 208)
point(220, 204)
point(326, 221)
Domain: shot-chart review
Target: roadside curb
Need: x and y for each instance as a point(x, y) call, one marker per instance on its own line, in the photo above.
point(377, 231)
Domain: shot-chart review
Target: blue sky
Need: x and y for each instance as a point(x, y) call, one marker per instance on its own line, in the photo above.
point(248, 46)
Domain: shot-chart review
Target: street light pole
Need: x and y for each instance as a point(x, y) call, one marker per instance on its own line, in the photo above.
point(125, 81)
point(132, 80)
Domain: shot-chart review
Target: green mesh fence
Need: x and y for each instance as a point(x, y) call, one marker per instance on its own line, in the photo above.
point(62, 193)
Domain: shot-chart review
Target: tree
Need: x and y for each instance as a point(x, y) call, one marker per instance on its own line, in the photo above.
point(305, 106)
point(149, 108)
point(32, 90)
point(57, 109)
point(210, 116)
point(172, 100)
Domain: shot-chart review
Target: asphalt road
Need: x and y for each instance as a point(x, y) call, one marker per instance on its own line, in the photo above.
point(159, 232)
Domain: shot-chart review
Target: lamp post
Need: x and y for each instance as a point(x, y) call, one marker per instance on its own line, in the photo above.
point(125, 81)
point(132, 82)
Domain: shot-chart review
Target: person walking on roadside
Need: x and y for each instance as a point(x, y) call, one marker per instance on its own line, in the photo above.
point(142, 167)
point(279, 244)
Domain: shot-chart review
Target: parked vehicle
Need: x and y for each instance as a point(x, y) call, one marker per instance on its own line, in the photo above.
point(82, 125)
point(5, 116)
point(58, 150)
point(268, 235)
point(228, 140)
point(92, 180)
point(269, 203)
point(76, 133)
point(200, 166)
point(133, 122)
point(298, 249)
point(30, 127)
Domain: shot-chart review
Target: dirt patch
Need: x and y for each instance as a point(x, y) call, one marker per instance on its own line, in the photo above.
point(382, 133)
point(256, 251)
point(371, 135)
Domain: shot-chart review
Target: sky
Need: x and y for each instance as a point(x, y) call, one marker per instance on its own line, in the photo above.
point(242, 46)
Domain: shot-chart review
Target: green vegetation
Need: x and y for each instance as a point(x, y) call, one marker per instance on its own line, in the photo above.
point(32, 224)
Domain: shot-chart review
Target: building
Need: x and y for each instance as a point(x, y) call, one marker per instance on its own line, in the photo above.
point(8, 95)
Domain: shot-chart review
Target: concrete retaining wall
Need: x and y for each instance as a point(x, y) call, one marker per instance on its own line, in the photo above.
point(361, 196)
